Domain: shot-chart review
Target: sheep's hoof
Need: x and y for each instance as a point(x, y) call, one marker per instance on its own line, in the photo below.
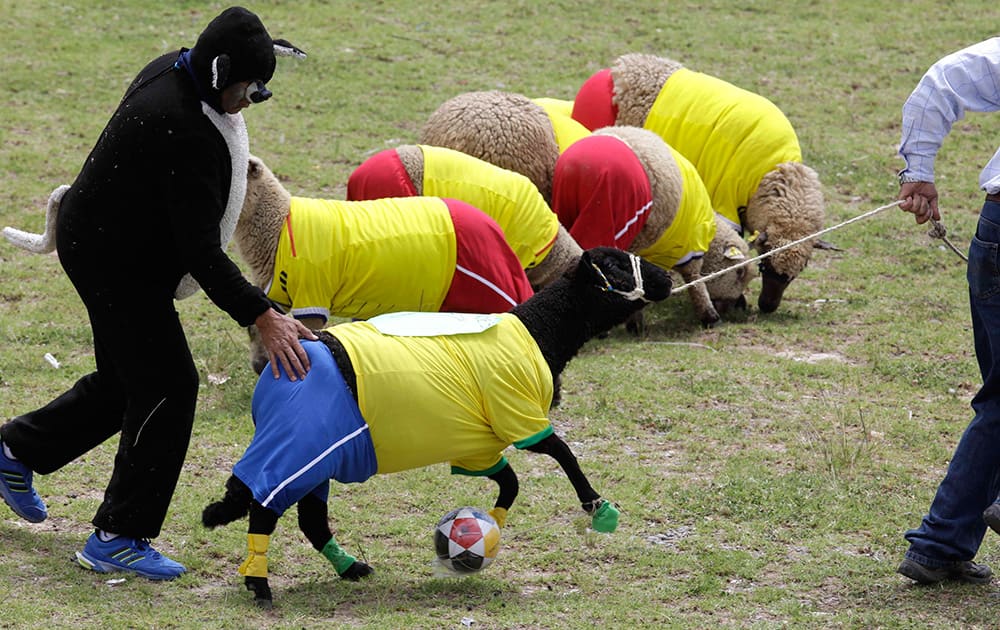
point(709, 318)
point(261, 592)
point(710, 322)
point(357, 571)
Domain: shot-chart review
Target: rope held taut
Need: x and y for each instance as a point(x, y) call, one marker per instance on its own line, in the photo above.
point(749, 261)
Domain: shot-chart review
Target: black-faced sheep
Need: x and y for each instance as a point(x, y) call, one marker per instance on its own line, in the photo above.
point(625, 187)
point(507, 129)
point(320, 258)
point(375, 402)
point(544, 247)
point(742, 145)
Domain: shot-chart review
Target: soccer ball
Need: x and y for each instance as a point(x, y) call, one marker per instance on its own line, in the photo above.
point(466, 540)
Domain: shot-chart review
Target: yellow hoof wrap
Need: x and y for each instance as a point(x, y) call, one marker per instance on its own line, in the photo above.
point(499, 515)
point(256, 563)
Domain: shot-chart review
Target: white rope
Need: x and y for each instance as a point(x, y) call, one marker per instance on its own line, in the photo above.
point(744, 263)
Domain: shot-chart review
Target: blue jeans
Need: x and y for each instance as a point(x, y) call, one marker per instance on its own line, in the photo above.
point(953, 529)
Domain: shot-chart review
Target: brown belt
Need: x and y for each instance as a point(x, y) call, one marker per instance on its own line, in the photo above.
point(995, 197)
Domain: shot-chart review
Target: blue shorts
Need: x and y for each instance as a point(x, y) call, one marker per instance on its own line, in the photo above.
point(307, 432)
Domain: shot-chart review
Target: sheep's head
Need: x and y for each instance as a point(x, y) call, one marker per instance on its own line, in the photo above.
point(621, 278)
point(787, 206)
point(727, 248)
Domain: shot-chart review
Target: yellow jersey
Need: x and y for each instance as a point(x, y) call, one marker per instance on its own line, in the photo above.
point(511, 199)
point(329, 251)
point(459, 398)
point(732, 136)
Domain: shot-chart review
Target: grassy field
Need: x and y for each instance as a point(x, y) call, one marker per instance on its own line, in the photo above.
point(766, 469)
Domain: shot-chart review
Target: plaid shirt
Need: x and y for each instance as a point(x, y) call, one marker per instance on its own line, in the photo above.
point(966, 80)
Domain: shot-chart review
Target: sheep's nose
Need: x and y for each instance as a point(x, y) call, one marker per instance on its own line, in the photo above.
point(772, 289)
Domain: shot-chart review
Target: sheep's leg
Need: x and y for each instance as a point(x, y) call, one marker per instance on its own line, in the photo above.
point(636, 324)
point(506, 478)
point(604, 514)
point(315, 525)
point(258, 354)
point(254, 568)
point(698, 293)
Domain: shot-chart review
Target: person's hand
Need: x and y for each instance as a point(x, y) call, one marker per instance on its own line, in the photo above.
point(280, 335)
point(921, 199)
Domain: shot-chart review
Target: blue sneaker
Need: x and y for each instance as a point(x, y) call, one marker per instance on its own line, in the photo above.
point(132, 555)
point(15, 486)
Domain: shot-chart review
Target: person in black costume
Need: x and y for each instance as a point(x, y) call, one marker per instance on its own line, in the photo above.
point(146, 221)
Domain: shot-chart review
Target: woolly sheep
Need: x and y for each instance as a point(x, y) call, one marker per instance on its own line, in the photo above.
point(543, 246)
point(625, 187)
point(507, 129)
point(322, 258)
point(742, 145)
point(490, 388)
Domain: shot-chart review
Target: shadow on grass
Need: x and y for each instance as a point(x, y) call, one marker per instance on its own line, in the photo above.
point(385, 593)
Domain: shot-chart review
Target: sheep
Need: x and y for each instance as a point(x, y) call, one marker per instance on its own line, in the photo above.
point(376, 403)
point(543, 246)
point(742, 145)
point(322, 258)
point(529, 136)
point(625, 187)
point(507, 129)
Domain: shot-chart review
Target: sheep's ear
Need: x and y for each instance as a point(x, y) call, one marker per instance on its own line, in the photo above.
point(221, 66)
point(254, 170)
point(823, 244)
point(585, 269)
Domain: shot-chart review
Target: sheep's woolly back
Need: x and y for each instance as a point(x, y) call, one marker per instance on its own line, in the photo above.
point(564, 255)
point(258, 230)
point(44, 243)
point(412, 159)
point(788, 205)
point(665, 180)
point(502, 128)
point(638, 79)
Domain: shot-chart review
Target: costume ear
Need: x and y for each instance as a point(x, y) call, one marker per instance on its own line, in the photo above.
point(221, 66)
point(284, 48)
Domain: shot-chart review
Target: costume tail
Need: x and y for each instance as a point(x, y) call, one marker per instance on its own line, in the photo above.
point(40, 243)
point(233, 506)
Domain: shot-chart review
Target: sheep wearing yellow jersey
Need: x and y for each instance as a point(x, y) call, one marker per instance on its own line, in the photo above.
point(390, 394)
point(742, 145)
point(507, 129)
point(544, 247)
point(319, 258)
point(529, 136)
point(625, 187)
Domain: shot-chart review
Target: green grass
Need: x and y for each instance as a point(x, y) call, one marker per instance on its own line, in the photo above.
point(766, 469)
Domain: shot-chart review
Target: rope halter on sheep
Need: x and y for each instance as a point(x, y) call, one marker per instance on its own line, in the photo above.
point(937, 231)
point(638, 293)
